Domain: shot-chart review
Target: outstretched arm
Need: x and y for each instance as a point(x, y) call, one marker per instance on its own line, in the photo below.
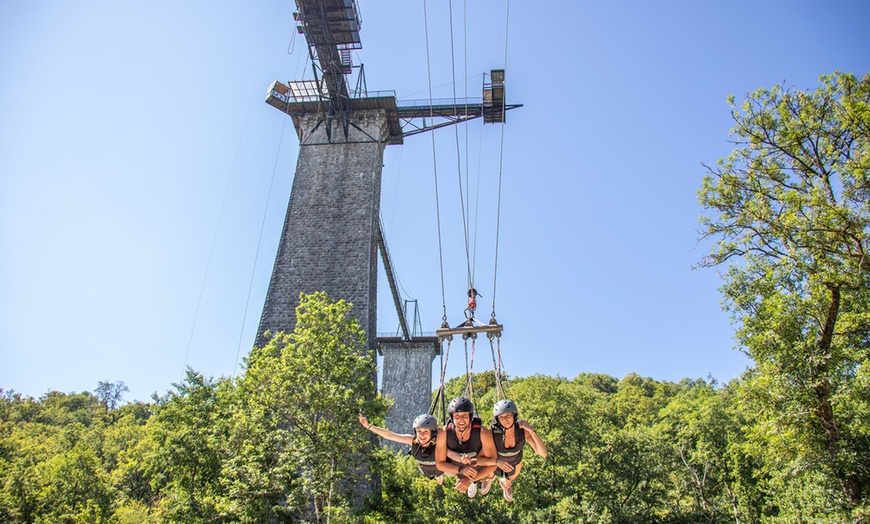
point(533, 439)
point(386, 433)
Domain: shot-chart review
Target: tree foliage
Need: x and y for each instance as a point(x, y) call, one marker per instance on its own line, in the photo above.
point(629, 450)
point(789, 213)
point(306, 390)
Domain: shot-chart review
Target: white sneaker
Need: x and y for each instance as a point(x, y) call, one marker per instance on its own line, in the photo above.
point(472, 490)
point(507, 489)
point(485, 484)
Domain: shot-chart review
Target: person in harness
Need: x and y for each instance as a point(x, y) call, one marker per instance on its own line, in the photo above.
point(510, 435)
point(472, 302)
point(422, 443)
point(465, 435)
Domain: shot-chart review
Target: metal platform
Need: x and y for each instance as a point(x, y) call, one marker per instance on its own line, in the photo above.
point(469, 329)
point(329, 22)
point(404, 118)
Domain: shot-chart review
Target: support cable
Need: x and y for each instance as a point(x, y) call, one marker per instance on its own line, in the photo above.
point(215, 237)
point(498, 366)
point(463, 200)
point(469, 367)
point(259, 244)
point(208, 266)
point(435, 169)
point(440, 393)
point(468, 149)
point(477, 194)
point(500, 170)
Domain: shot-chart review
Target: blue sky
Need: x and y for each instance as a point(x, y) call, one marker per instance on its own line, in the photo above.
point(144, 181)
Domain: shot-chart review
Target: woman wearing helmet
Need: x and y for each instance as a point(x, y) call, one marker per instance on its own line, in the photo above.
point(510, 436)
point(422, 442)
point(466, 436)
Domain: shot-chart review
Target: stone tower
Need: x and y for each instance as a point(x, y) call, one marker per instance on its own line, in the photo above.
point(330, 237)
point(332, 233)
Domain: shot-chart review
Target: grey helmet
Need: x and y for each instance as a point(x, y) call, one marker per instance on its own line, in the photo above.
point(501, 407)
point(460, 405)
point(426, 421)
point(504, 406)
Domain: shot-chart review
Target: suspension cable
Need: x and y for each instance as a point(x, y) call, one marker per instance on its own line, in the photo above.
point(208, 266)
point(467, 148)
point(498, 366)
point(215, 237)
point(440, 393)
point(463, 200)
point(259, 243)
point(469, 367)
point(500, 168)
point(435, 166)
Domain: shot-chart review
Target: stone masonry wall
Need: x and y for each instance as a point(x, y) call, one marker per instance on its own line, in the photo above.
point(407, 380)
point(328, 242)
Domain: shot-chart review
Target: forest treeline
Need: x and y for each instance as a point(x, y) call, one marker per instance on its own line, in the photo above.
point(621, 450)
point(787, 442)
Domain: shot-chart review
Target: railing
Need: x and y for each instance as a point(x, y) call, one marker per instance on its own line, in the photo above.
point(372, 94)
point(458, 102)
point(310, 93)
point(392, 334)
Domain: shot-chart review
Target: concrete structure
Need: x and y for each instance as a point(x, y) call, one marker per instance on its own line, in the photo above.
point(330, 243)
point(407, 378)
point(330, 240)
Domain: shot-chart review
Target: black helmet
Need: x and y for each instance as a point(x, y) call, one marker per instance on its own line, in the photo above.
point(504, 406)
point(426, 421)
point(460, 405)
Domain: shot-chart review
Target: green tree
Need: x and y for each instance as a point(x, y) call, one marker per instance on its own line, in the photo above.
point(126, 444)
point(54, 462)
point(111, 394)
point(187, 446)
point(562, 413)
point(789, 216)
point(702, 426)
point(74, 488)
point(307, 389)
point(625, 466)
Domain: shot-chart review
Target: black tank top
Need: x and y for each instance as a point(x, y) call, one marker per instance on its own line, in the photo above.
point(425, 458)
point(470, 447)
point(512, 455)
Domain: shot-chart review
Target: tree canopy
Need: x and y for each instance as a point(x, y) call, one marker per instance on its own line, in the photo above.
point(789, 214)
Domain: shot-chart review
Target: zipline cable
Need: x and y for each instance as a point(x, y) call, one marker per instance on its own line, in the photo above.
point(208, 266)
point(498, 365)
point(469, 369)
